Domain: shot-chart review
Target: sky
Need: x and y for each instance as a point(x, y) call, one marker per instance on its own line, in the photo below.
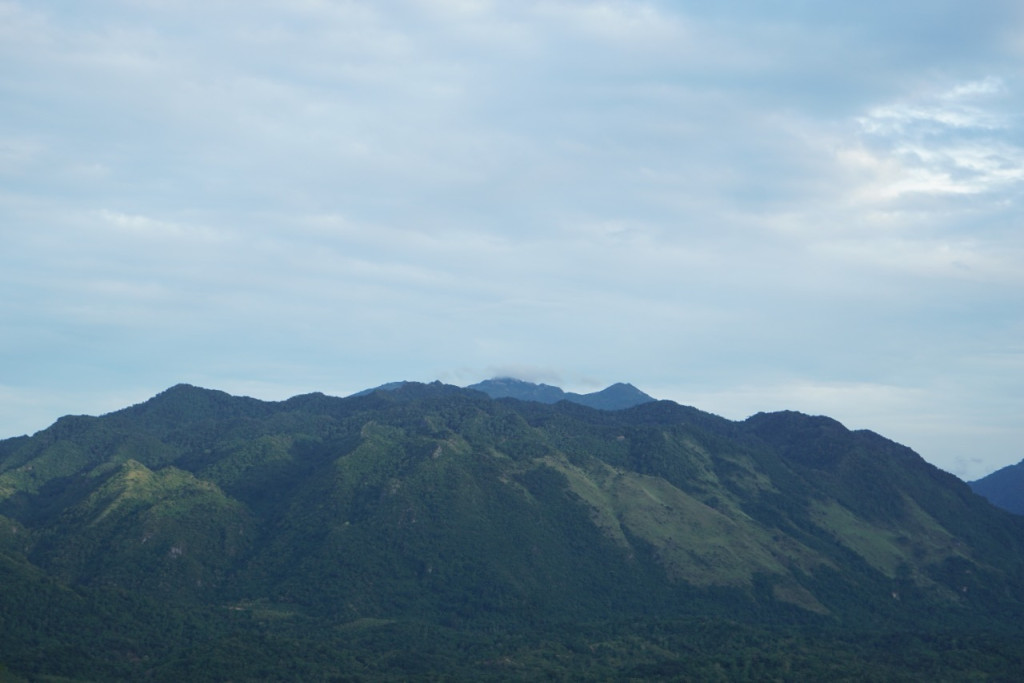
point(742, 206)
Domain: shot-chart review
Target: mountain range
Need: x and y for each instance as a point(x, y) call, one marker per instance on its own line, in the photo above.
point(1004, 488)
point(425, 531)
point(615, 397)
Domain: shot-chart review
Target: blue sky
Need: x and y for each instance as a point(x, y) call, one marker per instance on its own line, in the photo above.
point(740, 206)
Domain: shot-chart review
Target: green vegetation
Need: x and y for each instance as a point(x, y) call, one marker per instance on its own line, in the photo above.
point(430, 532)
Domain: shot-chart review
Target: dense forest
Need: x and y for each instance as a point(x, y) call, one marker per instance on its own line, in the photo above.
point(432, 532)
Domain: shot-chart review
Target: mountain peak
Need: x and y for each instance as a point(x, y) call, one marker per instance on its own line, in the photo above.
point(374, 522)
point(189, 403)
point(510, 387)
point(1003, 488)
point(618, 396)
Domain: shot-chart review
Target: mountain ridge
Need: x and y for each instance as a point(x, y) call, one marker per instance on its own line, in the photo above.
point(438, 505)
point(1004, 488)
point(617, 396)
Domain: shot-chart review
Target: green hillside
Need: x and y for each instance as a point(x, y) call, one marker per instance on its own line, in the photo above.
point(427, 530)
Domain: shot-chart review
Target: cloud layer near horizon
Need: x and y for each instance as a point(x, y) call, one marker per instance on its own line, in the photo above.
point(745, 206)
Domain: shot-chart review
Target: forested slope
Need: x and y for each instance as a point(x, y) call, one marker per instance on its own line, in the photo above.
point(428, 529)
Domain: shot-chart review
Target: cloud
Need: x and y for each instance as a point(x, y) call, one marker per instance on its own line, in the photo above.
point(314, 194)
point(944, 143)
point(145, 228)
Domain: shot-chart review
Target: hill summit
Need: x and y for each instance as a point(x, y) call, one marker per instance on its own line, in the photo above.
point(615, 397)
point(1004, 488)
point(426, 531)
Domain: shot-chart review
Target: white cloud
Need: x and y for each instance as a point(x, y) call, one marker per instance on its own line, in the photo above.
point(944, 143)
point(278, 194)
point(147, 228)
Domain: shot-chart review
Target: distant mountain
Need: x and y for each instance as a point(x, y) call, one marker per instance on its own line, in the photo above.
point(1004, 488)
point(616, 397)
point(428, 531)
point(389, 386)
